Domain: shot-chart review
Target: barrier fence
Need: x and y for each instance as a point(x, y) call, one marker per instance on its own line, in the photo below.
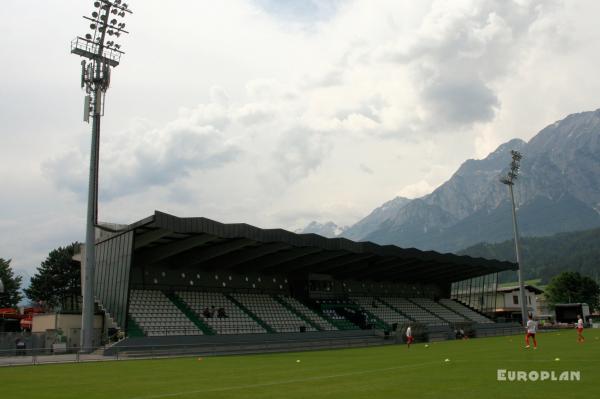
point(44, 355)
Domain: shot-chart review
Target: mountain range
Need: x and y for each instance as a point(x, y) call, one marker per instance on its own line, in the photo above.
point(545, 257)
point(558, 190)
point(327, 229)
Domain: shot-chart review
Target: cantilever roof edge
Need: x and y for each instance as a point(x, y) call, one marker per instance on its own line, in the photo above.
point(195, 225)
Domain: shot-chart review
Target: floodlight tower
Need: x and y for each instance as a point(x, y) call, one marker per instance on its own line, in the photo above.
point(509, 180)
point(102, 55)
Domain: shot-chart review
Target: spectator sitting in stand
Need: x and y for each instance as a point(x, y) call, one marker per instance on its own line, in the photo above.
point(206, 313)
point(221, 313)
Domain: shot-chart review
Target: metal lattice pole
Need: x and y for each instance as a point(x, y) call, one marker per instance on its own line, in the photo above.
point(102, 54)
point(509, 180)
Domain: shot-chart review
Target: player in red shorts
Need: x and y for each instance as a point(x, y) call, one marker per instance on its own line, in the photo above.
point(580, 338)
point(409, 336)
point(531, 330)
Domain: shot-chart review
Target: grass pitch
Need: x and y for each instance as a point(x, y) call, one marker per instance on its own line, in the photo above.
point(377, 372)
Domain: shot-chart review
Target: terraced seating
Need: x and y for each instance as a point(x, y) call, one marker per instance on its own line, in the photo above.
point(379, 309)
point(465, 311)
point(339, 321)
point(439, 310)
point(272, 312)
point(415, 312)
point(236, 322)
point(308, 313)
point(156, 315)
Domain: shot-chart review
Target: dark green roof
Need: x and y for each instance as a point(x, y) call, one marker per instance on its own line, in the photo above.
point(207, 244)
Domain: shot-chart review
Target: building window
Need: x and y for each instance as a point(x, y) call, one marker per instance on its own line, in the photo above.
point(529, 300)
point(515, 299)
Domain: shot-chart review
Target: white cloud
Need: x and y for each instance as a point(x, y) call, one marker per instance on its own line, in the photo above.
point(416, 190)
point(142, 157)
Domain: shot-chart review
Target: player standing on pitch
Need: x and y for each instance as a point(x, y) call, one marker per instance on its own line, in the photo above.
point(531, 330)
point(409, 337)
point(580, 338)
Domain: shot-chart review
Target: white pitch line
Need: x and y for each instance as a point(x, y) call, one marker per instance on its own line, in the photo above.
point(269, 384)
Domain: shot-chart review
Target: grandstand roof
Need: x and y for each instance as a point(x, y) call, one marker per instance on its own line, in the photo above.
point(211, 245)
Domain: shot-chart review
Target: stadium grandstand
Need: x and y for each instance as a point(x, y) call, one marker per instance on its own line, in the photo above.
point(169, 280)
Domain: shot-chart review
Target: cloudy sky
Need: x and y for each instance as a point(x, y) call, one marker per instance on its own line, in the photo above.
point(275, 112)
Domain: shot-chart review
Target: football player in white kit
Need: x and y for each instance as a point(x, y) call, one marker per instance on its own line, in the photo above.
point(409, 336)
point(531, 330)
point(580, 338)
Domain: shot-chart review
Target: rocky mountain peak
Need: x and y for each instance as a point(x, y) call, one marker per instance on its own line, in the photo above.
point(558, 190)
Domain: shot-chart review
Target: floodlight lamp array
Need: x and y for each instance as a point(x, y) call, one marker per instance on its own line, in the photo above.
point(104, 21)
point(102, 52)
point(515, 165)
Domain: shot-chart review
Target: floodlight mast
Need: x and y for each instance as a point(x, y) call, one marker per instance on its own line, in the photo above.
point(95, 79)
point(509, 180)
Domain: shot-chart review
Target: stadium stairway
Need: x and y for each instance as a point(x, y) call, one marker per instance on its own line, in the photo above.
point(377, 322)
point(254, 317)
point(467, 313)
point(416, 312)
point(441, 311)
point(342, 323)
point(395, 309)
point(333, 322)
point(190, 314)
point(133, 330)
point(412, 300)
point(311, 313)
point(296, 312)
point(473, 309)
point(111, 322)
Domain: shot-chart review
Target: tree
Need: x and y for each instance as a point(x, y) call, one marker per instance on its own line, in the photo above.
point(570, 287)
point(57, 278)
point(11, 296)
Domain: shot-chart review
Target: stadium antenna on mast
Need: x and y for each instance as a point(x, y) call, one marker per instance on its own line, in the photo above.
point(102, 54)
point(509, 180)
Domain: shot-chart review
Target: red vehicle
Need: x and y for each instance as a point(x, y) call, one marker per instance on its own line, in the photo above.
point(9, 313)
point(24, 320)
point(27, 317)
